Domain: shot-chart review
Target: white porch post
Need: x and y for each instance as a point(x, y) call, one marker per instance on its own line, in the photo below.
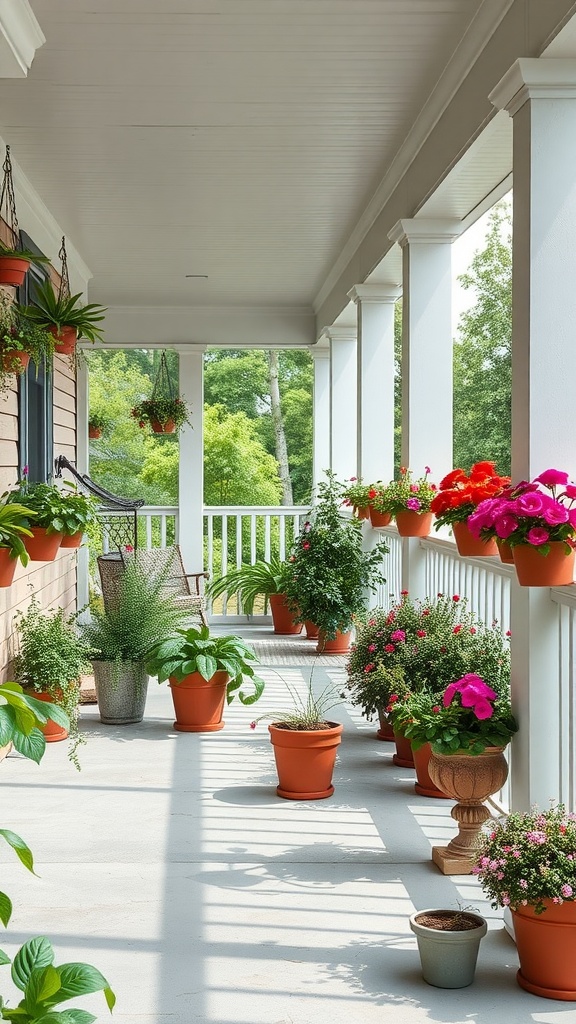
point(427, 359)
point(375, 357)
point(321, 414)
point(191, 465)
point(541, 97)
point(82, 465)
point(343, 377)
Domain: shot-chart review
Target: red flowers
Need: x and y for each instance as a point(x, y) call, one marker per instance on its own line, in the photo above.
point(459, 494)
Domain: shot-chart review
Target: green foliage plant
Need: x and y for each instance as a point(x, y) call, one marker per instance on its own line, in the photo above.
point(98, 421)
point(161, 410)
point(529, 859)
point(407, 495)
point(331, 571)
point(22, 715)
point(51, 310)
point(308, 712)
point(196, 650)
point(378, 497)
point(19, 336)
point(355, 493)
point(55, 510)
point(22, 254)
point(14, 524)
point(251, 581)
point(79, 512)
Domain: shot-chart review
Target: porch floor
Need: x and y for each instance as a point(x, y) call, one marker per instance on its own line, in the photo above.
point(170, 864)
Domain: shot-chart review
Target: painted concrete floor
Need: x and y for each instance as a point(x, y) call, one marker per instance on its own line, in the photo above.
point(170, 863)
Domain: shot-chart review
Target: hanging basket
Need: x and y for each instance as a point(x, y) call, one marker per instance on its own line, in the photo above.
point(165, 412)
point(13, 270)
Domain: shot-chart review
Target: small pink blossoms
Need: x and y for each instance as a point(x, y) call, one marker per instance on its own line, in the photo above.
point(474, 693)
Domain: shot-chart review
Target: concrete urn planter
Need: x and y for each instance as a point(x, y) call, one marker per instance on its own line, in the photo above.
point(448, 943)
point(121, 691)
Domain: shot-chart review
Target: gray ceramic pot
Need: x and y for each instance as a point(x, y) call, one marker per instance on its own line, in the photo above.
point(448, 957)
point(121, 691)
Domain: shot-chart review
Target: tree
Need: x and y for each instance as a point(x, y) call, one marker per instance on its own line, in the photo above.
point(278, 423)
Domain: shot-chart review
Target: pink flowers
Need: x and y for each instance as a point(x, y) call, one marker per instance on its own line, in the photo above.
point(474, 693)
point(536, 837)
point(420, 632)
point(389, 648)
point(413, 504)
point(399, 635)
point(537, 536)
point(536, 513)
point(371, 648)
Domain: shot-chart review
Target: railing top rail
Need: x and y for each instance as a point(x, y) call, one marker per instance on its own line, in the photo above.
point(564, 595)
point(168, 510)
point(448, 547)
point(257, 509)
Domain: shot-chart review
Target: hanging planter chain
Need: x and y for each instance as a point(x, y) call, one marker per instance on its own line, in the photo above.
point(64, 286)
point(8, 202)
point(163, 387)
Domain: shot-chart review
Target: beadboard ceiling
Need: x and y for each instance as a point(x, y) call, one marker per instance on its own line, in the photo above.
point(240, 139)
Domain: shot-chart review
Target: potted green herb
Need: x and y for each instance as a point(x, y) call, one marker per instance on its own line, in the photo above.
point(262, 579)
point(64, 316)
point(14, 525)
point(79, 515)
point(97, 424)
point(57, 513)
point(356, 494)
point(20, 342)
point(204, 670)
point(164, 414)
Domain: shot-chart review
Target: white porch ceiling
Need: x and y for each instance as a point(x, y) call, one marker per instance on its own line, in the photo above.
point(235, 138)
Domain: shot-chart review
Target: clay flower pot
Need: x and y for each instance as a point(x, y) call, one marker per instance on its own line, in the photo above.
point(361, 511)
point(424, 785)
point(403, 756)
point(339, 645)
point(546, 946)
point(162, 428)
point(312, 630)
point(73, 540)
point(448, 943)
point(199, 704)
point(53, 732)
point(15, 362)
point(556, 569)
point(7, 567)
point(282, 618)
point(94, 433)
point(65, 340)
point(505, 551)
point(470, 546)
point(379, 518)
point(13, 270)
point(42, 546)
point(385, 732)
point(305, 760)
point(414, 524)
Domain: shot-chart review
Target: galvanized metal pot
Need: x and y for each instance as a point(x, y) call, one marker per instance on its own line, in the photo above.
point(121, 691)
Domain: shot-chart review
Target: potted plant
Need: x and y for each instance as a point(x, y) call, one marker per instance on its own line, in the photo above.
point(50, 660)
point(409, 503)
point(378, 510)
point(14, 520)
point(356, 495)
point(305, 744)
point(164, 414)
point(45, 985)
point(20, 342)
point(457, 498)
point(15, 263)
point(97, 423)
point(58, 514)
point(448, 943)
point(204, 670)
point(527, 862)
point(262, 579)
point(537, 523)
point(64, 316)
point(119, 640)
point(79, 515)
point(23, 718)
point(331, 572)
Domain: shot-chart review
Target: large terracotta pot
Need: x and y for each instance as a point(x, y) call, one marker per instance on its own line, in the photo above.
point(385, 732)
point(305, 760)
point(312, 630)
point(505, 551)
point(199, 704)
point(469, 779)
point(556, 569)
point(379, 518)
point(65, 340)
point(403, 756)
point(42, 546)
point(282, 618)
point(162, 428)
point(470, 546)
point(13, 270)
point(414, 524)
point(339, 645)
point(53, 732)
point(424, 785)
point(546, 946)
point(72, 540)
point(7, 567)
point(15, 362)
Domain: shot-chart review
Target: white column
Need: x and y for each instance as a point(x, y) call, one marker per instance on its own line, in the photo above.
point(343, 378)
point(191, 467)
point(321, 414)
point(375, 354)
point(427, 362)
point(540, 95)
point(82, 465)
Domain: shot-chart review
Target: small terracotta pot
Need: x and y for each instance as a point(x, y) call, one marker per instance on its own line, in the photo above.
point(94, 433)
point(162, 428)
point(403, 756)
point(385, 732)
point(282, 618)
point(379, 518)
point(42, 546)
point(556, 569)
point(469, 546)
point(15, 362)
point(305, 761)
point(424, 785)
point(7, 567)
point(546, 946)
point(311, 630)
point(505, 551)
point(13, 270)
point(414, 524)
point(65, 340)
point(73, 540)
point(199, 704)
point(339, 645)
point(53, 732)
point(362, 511)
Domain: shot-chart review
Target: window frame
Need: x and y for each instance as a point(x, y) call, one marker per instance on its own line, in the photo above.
point(36, 274)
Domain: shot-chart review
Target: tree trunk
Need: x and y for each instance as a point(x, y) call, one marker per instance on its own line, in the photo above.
point(276, 411)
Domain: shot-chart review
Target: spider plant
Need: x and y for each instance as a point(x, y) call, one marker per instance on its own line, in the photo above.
point(55, 311)
point(250, 581)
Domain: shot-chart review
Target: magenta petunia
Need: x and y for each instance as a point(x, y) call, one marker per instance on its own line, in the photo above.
point(506, 525)
point(555, 514)
point(552, 478)
point(483, 709)
point(537, 536)
point(398, 635)
point(531, 503)
point(413, 504)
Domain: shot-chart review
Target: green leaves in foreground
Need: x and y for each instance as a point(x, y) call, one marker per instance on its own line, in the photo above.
point(24, 853)
point(44, 986)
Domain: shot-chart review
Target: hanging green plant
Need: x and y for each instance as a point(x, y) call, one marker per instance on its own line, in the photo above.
point(15, 260)
point(165, 411)
point(20, 342)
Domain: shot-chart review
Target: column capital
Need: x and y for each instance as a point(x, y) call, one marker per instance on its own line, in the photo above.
point(320, 352)
point(374, 293)
point(337, 333)
point(427, 230)
point(532, 78)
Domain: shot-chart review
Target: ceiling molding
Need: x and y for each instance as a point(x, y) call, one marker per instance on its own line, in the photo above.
point(534, 78)
point(20, 37)
point(415, 229)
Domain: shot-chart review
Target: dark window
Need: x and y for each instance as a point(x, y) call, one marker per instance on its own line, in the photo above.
point(35, 397)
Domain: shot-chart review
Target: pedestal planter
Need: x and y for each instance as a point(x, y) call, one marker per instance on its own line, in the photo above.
point(198, 704)
point(121, 691)
point(424, 785)
point(469, 546)
point(13, 270)
point(385, 732)
point(53, 733)
point(339, 645)
point(379, 518)
point(311, 630)
point(414, 524)
point(7, 567)
point(42, 546)
point(403, 756)
point(546, 946)
point(73, 540)
point(283, 617)
point(162, 428)
point(15, 362)
point(305, 760)
point(556, 569)
point(505, 552)
point(448, 943)
point(469, 779)
point(65, 340)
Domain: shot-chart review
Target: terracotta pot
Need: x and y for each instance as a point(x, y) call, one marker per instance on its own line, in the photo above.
point(162, 428)
point(470, 779)
point(15, 362)
point(42, 546)
point(556, 569)
point(546, 946)
point(305, 761)
point(385, 732)
point(94, 433)
point(469, 546)
point(311, 630)
point(198, 703)
point(65, 340)
point(282, 618)
point(403, 756)
point(53, 733)
point(339, 645)
point(414, 524)
point(7, 567)
point(424, 785)
point(13, 270)
point(379, 518)
point(361, 511)
point(73, 540)
point(505, 551)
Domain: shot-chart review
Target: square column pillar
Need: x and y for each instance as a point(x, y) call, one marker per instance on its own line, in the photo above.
point(540, 95)
point(321, 414)
point(427, 362)
point(343, 377)
point(375, 355)
point(191, 465)
point(82, 465)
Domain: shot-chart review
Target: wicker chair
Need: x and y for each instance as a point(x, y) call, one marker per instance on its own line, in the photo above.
point(186, 588)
